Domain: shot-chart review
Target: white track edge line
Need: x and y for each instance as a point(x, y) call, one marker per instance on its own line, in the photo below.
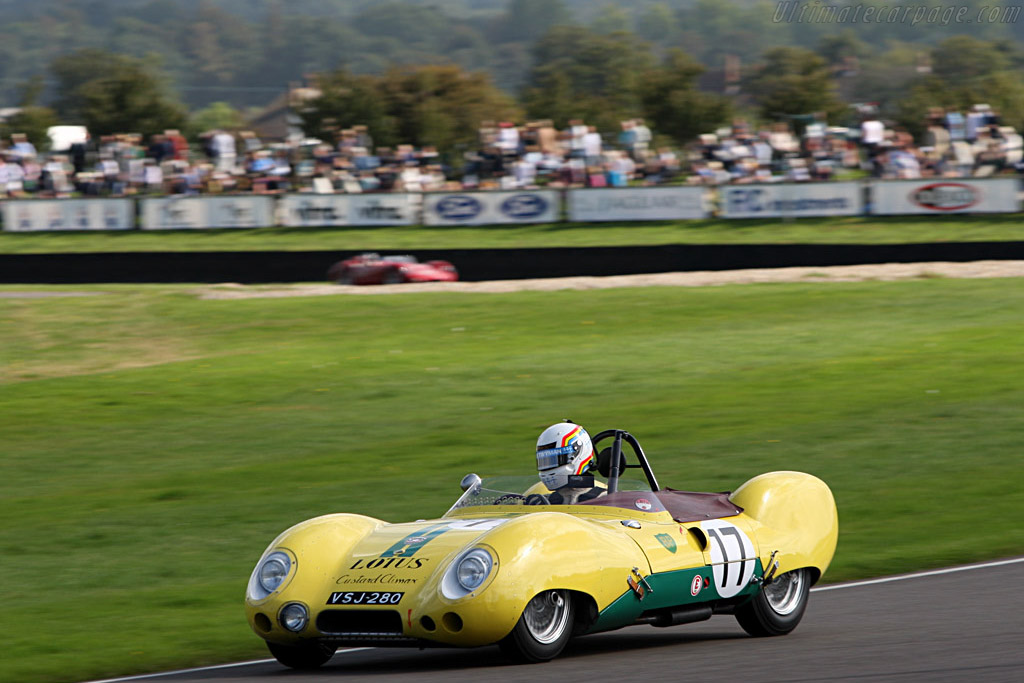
point(216, 667)
point(918, 575)
point(837, 586)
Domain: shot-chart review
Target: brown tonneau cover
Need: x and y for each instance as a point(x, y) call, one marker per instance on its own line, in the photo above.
point(684, 506)
point(691, 506)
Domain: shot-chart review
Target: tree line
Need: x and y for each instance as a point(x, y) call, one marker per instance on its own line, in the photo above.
point(240, 50)
point(146, 66)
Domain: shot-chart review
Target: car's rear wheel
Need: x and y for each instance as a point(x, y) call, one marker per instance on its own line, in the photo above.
point(778, 607)
point(346, 278)
point(393, 277)
point(309, 655)
point(543, 629)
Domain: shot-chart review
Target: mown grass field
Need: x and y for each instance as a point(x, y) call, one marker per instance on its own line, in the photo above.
point(154, 443)
point(861, 230)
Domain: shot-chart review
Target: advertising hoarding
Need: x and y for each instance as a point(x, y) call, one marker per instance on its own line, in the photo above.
point(493, 207)
point(196, 213)
point(791, 200)
point(637, 204)
point(40, 215)
point(348, 209)
point(945, 195)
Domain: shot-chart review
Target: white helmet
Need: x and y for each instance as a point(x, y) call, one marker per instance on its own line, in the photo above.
point(563, 449)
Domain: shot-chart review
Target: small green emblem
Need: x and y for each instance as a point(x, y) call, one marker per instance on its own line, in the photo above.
point(667, 541)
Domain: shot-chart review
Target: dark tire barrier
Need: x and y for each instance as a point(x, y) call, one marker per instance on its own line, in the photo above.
point(252, 267)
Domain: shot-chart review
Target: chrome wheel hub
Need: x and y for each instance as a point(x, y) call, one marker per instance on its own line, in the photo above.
point(546, 616)
point(784, 593)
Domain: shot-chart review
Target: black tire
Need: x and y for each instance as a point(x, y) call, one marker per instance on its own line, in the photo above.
point(543, 629)
point(778, 607)
point(345, 278)
point(309, 655)
point(393, 277)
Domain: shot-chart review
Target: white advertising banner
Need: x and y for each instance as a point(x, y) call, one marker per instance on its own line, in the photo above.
point(352, 209)
point(637, 204)
point(172, 213)
point(240, 212)
point(39, 215)
point(309, 210)
point(191, 212)
point(384, 209)
point(942, 196)
point(490, 208)
point(792, 200)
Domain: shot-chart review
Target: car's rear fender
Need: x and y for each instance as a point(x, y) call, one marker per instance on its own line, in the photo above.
point(795, 514)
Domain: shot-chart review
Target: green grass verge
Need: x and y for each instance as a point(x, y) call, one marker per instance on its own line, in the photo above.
point(869, 230)
point(153, 443)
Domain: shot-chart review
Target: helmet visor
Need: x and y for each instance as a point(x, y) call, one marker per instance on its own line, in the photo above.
point(553, 457)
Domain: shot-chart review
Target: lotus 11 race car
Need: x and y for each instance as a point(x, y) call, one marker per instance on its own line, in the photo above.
point(374, 269)
point(504, 565)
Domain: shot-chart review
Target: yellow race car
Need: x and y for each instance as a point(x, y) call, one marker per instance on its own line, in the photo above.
point(506, 565)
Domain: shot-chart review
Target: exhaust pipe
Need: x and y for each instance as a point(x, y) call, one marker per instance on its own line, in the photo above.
point(676, 615)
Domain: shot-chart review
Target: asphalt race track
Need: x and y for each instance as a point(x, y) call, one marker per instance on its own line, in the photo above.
point(964, 624)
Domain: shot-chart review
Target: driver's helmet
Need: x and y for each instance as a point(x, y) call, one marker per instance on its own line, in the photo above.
point(563, 449)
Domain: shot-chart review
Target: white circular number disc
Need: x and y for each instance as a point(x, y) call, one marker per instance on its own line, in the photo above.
point(733, 557)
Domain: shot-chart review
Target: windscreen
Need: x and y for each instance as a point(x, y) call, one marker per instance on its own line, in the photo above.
point(516, 490)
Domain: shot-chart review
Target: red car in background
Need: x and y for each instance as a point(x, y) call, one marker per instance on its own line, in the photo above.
point(374, 269)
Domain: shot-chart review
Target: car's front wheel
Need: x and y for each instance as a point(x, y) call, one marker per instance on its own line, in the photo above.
point(543, 629)
point(310, 655)
point(778, 607)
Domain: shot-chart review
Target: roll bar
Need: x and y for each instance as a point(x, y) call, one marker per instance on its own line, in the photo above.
point(616, 458)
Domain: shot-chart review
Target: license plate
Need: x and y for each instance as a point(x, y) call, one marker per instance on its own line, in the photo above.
point(364, 598)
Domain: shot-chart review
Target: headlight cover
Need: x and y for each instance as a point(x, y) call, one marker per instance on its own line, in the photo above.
point(270, 574)
point(467, 573)
point(473, 569)
point(294, 616)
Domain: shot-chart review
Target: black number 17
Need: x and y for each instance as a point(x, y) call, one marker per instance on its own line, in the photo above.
point(733, 531)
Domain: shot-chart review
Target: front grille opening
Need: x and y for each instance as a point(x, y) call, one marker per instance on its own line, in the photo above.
point(360, 622)
point(262, 622)
point(452, 622)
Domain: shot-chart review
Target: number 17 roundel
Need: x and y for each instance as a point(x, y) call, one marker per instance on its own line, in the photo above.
point(733, 557)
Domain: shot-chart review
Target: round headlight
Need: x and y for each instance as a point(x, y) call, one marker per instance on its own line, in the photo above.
point(473, 569)
point(294, 617)
point(273, 571)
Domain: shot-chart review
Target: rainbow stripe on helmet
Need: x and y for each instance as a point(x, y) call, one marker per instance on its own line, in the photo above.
point(571, 436)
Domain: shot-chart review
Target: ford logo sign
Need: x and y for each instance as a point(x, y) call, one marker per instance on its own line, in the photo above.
point(945, 196)
point(458, 207)
point(524, 206)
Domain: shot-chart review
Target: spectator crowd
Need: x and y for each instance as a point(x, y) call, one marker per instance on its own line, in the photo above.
point(509, 156)
point(954, 145)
